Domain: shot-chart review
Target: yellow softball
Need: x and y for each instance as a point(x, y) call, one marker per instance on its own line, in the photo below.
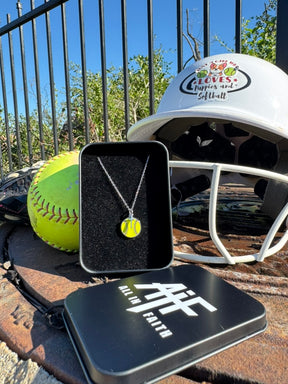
point(131, 227)
point(53, 202)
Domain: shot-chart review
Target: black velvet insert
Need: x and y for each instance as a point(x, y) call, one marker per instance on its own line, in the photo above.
point(103, 248)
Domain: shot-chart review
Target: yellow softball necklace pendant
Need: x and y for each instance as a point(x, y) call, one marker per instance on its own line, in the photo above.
point(129, 227)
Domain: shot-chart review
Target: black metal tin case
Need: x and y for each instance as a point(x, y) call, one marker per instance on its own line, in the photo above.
point(146, 327)
point(103, 247)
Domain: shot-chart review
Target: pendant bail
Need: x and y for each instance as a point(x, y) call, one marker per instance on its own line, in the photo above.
point(131, 213)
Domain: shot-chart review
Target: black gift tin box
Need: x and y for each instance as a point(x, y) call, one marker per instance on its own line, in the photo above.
point(103, 248)
point(143, 328)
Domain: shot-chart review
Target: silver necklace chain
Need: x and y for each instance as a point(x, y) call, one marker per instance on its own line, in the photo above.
point(130, 209)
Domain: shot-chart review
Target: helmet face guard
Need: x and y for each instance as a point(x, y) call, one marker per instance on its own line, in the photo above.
point(224, 120)
point(270, 245)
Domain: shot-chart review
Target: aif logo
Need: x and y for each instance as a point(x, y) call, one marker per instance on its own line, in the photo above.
point(167, 294)
point(166, 298)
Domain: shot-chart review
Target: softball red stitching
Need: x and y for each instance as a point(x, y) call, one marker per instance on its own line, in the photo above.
point(53, 215)
point(57, 215)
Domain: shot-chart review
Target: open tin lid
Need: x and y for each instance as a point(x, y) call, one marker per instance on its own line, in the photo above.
point(146, 327)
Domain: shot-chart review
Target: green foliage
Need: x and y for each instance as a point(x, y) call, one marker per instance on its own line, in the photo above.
point(258, 37)
point(259, 34)
point(16, 150)
point(25, 152)
point(138, 78)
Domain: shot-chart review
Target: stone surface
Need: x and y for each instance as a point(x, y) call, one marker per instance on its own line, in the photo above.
point(49, 275)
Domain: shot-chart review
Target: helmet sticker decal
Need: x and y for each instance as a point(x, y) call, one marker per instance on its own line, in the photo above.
point(214, 80)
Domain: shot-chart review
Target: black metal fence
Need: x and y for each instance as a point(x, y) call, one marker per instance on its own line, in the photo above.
point(23, 51)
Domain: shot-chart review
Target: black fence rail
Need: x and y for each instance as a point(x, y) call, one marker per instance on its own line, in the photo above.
point(35, 122)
